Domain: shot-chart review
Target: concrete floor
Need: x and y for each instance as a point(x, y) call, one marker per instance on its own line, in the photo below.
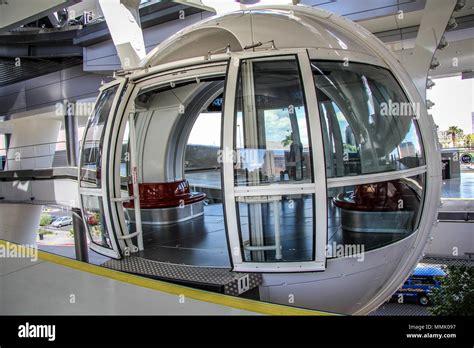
point(45, 288)
point(462, 187)
point(70, 252)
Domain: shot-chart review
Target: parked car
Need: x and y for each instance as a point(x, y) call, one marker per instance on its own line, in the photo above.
point(93, 219)
point(62, 221)
point(419, 285)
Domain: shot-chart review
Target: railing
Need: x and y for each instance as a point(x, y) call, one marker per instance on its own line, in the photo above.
point(37, 156)
point(461, 149)
point(202, 169)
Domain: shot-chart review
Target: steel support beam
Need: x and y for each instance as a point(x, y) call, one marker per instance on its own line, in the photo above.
point(123, 20)
point(72, 139)
point(80, 237)
point(432, 27)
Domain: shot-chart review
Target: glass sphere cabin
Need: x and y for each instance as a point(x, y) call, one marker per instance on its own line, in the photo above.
point(285, 151)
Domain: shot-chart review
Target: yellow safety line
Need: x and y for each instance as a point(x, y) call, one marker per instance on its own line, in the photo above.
point(196, 294)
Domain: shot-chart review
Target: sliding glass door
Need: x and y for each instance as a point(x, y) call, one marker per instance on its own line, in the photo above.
point(273, 167)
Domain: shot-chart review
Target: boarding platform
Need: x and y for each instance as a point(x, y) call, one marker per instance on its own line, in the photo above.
point(48, 284)
point(221, 280)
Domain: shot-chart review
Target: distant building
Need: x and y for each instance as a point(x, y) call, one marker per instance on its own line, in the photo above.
point(445, 139)
point(407, 150)
point(444, 136)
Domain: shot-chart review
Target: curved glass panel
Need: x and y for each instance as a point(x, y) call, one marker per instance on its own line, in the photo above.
point(125, 157)
point(369, 216)
point(94, 217)
point(276, 228)
point(272, 147)
point(92, 146)
point(367, 121)
point(272, 139)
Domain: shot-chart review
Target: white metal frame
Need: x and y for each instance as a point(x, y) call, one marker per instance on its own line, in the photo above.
point(356, 57)
point(374, 178)
point(101, 193)
point(348, 56)
point(136, 193)
point(316, 188)
point(404, 83)
point(137, 83)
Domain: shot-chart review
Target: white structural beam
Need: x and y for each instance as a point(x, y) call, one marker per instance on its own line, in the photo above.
point(198, 4)
point(433, 25)
point(14, 13)
point(223, 6)
point(454, 59)
point(123, 21)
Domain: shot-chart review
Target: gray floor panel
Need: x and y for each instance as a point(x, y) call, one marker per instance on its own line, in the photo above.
point(46, 288)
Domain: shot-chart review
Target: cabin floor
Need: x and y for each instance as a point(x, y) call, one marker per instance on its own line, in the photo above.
point(202, 240)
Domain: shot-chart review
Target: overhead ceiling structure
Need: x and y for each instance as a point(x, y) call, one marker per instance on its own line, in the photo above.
point(27, 52)
point(29, 49)
point(12, 71)
point(400, 29)
point(123, 21)
point(395, 22)
point(17, 12)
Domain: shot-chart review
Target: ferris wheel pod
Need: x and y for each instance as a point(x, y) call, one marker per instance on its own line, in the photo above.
point(296, 141)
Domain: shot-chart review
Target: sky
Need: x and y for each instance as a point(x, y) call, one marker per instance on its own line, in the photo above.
point(454, 99)
point(206, 130)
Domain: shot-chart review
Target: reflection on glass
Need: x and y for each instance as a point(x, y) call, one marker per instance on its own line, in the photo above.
point(367, 121)
point(202, 165)
point(3, 152)
point(277, 228)
point(94, 217)
point(271, 133)
point(375, 214)
point(92, 147)
point(204, 143)
point(125, 157)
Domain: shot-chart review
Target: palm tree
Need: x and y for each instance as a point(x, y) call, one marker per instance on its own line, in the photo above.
point(288, 140)
point(454, 131)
